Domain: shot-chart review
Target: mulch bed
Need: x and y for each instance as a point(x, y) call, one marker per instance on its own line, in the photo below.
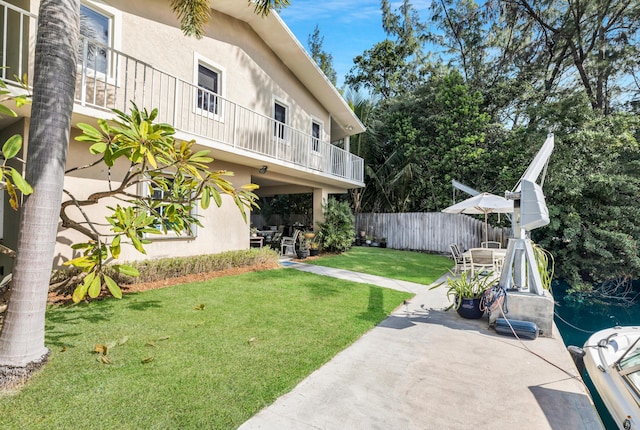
point(55, 298)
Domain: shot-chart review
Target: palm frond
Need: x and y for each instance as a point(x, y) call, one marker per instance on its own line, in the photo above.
point(193, 15)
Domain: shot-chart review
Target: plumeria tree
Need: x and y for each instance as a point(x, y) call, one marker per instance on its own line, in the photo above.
point(156, 161)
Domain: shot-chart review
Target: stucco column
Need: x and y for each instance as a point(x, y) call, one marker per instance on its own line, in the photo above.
point(320, 196)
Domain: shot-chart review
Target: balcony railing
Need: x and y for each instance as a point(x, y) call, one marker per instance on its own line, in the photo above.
point(108, 79)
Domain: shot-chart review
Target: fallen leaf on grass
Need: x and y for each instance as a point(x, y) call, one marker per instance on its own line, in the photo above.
point(148, 359)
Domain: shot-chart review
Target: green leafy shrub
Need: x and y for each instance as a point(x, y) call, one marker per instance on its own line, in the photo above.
point(337, 230)
point(65, 281)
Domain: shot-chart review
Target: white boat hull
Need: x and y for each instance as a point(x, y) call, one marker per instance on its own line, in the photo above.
point(617, 382)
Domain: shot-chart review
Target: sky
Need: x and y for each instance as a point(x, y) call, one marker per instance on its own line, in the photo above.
point(348, 27)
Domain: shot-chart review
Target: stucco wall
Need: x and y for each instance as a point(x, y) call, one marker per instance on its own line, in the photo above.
point(223, 228)
point(252, 75)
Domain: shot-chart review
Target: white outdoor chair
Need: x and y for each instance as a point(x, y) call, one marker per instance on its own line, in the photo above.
point(458, 258)
point(481, 259)
point(288, 243)
point(491, 244)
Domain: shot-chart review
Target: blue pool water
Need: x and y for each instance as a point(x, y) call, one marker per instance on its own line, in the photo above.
point(576, 321)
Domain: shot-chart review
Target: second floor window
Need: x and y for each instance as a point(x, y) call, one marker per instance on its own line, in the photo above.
point(315, 136)
point(208, 89)
point(95, 29)
point(280, 115)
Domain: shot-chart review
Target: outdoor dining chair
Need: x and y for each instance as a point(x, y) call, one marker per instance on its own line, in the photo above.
point(288, 243)
point(481, 259)
point(491, 244)
point(458, 258)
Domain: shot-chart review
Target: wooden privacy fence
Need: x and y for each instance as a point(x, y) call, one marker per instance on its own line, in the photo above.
point(429, 231)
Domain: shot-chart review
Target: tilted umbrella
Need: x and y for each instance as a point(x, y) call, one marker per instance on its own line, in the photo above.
point(484, 203)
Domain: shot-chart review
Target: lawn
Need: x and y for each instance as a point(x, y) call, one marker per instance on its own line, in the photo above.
point(201, 355)
point(410, 266)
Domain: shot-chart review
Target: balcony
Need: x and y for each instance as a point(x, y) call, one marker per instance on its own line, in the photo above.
point(108, 79)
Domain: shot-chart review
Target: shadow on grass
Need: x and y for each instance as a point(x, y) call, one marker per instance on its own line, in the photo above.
point(139, 304)
point(375, 309)
point(60, 319)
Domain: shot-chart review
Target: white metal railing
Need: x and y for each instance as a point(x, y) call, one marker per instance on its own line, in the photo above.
point(108, 79)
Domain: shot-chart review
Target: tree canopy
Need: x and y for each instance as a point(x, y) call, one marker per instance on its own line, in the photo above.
point(499, 76)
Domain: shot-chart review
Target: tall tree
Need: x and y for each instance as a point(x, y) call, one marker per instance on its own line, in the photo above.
point(22, 335)
point(396, 65)
point(530, 51)
point(595, 41)
point(363, 144)
point(592, 187)
point(22, 348)
point(323, 59)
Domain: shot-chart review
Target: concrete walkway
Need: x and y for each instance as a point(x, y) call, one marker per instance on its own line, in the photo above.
point(424, 368)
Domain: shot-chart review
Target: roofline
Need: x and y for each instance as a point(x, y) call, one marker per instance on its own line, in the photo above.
point(277, 35)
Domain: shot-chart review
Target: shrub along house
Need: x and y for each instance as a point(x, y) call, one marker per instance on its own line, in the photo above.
point(247, 90)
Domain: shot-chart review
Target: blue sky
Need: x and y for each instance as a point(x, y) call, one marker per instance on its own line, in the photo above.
point(348, 27)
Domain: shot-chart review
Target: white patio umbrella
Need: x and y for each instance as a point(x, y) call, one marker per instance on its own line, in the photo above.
point(484, 203)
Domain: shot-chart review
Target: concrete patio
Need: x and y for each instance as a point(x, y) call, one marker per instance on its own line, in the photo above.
point(426, 368)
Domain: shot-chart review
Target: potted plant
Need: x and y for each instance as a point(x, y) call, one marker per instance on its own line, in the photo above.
point(467, 292)
point(383, 242)
point(304, 241)
point(314, 248)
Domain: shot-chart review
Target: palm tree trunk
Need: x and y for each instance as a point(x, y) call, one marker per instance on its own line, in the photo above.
point(22, 336)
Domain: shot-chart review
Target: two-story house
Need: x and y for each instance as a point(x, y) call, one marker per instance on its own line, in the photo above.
point(248, 91)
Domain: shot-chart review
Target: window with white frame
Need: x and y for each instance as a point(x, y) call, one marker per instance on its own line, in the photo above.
point(96, 38)
point(280, 116)
point(157, 195)
point(208, 89)
point(315, 136)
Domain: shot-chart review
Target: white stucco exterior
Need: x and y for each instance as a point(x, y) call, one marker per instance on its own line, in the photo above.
point(258, 63)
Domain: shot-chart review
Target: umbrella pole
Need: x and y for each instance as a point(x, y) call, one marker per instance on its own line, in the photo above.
point(486, 228)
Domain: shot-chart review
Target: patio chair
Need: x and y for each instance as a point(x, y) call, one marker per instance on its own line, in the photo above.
point(288, 243)
point(491, 244)
point(458, 258)
point(481, 259)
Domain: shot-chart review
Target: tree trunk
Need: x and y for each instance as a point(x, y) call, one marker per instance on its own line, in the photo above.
point(22, 336)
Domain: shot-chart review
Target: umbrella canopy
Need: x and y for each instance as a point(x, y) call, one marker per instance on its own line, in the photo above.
point(484, 203)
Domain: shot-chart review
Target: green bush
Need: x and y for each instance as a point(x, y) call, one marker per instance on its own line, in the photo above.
point(337, 231)
point(164, 268)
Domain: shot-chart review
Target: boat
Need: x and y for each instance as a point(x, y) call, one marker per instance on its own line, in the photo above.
point(611, 358)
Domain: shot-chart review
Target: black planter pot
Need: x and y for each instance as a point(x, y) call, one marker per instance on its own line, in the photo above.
point(383, 244)
point(313, 252)
point(302, 253)
point(470, 308)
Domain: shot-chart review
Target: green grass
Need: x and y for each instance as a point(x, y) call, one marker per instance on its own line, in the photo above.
point(406, 265)
point(218, 351)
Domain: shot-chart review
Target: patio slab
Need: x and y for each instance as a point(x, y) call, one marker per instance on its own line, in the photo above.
point(426, 368)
